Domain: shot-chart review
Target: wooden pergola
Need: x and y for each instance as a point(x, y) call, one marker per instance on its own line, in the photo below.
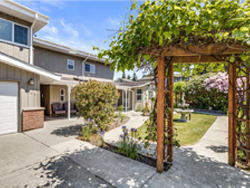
point(213, 53)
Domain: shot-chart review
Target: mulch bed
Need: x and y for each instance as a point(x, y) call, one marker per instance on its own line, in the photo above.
point(142, 158)
point(96, 140)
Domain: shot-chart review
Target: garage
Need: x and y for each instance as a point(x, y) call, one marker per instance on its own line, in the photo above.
point(8, 107)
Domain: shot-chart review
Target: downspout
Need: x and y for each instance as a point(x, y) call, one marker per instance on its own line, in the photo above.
point(83, 64)
point(31, 39)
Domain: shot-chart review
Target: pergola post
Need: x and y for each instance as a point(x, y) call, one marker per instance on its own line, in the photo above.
point(160, 114)
point(232, 115)
point(247, 113)
point(171, 118)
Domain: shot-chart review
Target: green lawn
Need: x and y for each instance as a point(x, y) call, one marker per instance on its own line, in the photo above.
point(191, 132)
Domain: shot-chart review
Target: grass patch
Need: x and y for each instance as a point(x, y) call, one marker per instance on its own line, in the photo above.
point(191, 132)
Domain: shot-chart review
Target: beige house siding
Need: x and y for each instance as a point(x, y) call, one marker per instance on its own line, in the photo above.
point(101, 71)
point(14, 19)
point(21, 53)
point(144, 97)
point(17, 52)
point(57, 62)
point(51, 94)
point(29, 94)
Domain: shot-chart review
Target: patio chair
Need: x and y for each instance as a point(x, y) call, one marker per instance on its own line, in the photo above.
point(72, 110)
point(57, 108)
point(77, 109)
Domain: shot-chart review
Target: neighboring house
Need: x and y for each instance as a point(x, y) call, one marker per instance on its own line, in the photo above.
point(139, 92)
point(177, 77)
point(135, 95)
point(34, 73)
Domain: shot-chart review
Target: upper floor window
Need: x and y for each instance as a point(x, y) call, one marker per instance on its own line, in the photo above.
point(71, 64)
point(138, 94)
point(13, 32)
point(90, 68)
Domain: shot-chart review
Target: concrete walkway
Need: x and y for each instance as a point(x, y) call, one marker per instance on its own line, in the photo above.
point(201, 165)
point(53, 157)
point(136, 121)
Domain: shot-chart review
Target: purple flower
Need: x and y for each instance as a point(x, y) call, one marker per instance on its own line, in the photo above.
point(96, 125)
point(125, 134)
point(121, 136)
point(101, 133)
point(132, 129)
point(135, 130)
point(89, 120)
point(124, 127)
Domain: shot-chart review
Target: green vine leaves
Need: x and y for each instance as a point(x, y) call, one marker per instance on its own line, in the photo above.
point(154, 26)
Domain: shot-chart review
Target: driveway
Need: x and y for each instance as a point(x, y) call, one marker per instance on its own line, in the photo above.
point(53, 157)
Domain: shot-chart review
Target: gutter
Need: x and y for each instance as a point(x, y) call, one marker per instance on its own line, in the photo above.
point(83, 64)
point(142, 84)
point(31, 39)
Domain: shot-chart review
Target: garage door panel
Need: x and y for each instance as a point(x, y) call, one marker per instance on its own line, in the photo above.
point(8, 107)
point(7, 113)
point(8, 126)
point(6, 119)
point(7, 99)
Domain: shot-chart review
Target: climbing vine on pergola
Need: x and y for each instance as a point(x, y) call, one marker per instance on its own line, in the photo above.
point(170, 35)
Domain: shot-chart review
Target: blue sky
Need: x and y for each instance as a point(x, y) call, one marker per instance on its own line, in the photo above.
point(80, 24)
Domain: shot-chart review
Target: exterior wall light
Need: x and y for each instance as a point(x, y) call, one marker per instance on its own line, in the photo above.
point(31, 81)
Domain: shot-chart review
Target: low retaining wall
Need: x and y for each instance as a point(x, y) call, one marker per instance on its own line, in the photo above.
point(33, 118)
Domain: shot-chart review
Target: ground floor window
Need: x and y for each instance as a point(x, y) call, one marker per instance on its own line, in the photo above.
point(62, 95)
point(139, 94)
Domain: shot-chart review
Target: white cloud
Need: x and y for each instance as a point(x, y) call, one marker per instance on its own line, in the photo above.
point(85, 46)
point(86, 32)
point(56, 3)
point(113, 21)
point(69, 29)
point(50, 29)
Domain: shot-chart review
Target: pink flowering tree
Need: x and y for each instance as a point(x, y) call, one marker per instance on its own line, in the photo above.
point(208, 91)
point(218, 83)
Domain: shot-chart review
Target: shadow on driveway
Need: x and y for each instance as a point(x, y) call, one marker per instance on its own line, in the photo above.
point(72, 130)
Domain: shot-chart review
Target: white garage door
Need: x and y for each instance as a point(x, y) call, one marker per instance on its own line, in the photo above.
point(8, 107)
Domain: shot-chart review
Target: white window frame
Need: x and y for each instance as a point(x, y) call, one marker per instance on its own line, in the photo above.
point(13, 29)
point(138, 94)
point(90, 68)
point(73, 64)
point(62, 95)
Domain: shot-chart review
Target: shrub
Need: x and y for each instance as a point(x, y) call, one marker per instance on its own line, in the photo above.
point(120, 108)
point(123, 116)
point(139, 108)
point(89, 129)
point(179, 87)
point(146, 109)
point(95, 101)
point(208, 90)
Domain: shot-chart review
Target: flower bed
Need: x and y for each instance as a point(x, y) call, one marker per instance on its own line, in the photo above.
point(95, 137)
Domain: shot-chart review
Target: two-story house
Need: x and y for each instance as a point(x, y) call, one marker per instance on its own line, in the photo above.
point(72, 65)
point(35, 73)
